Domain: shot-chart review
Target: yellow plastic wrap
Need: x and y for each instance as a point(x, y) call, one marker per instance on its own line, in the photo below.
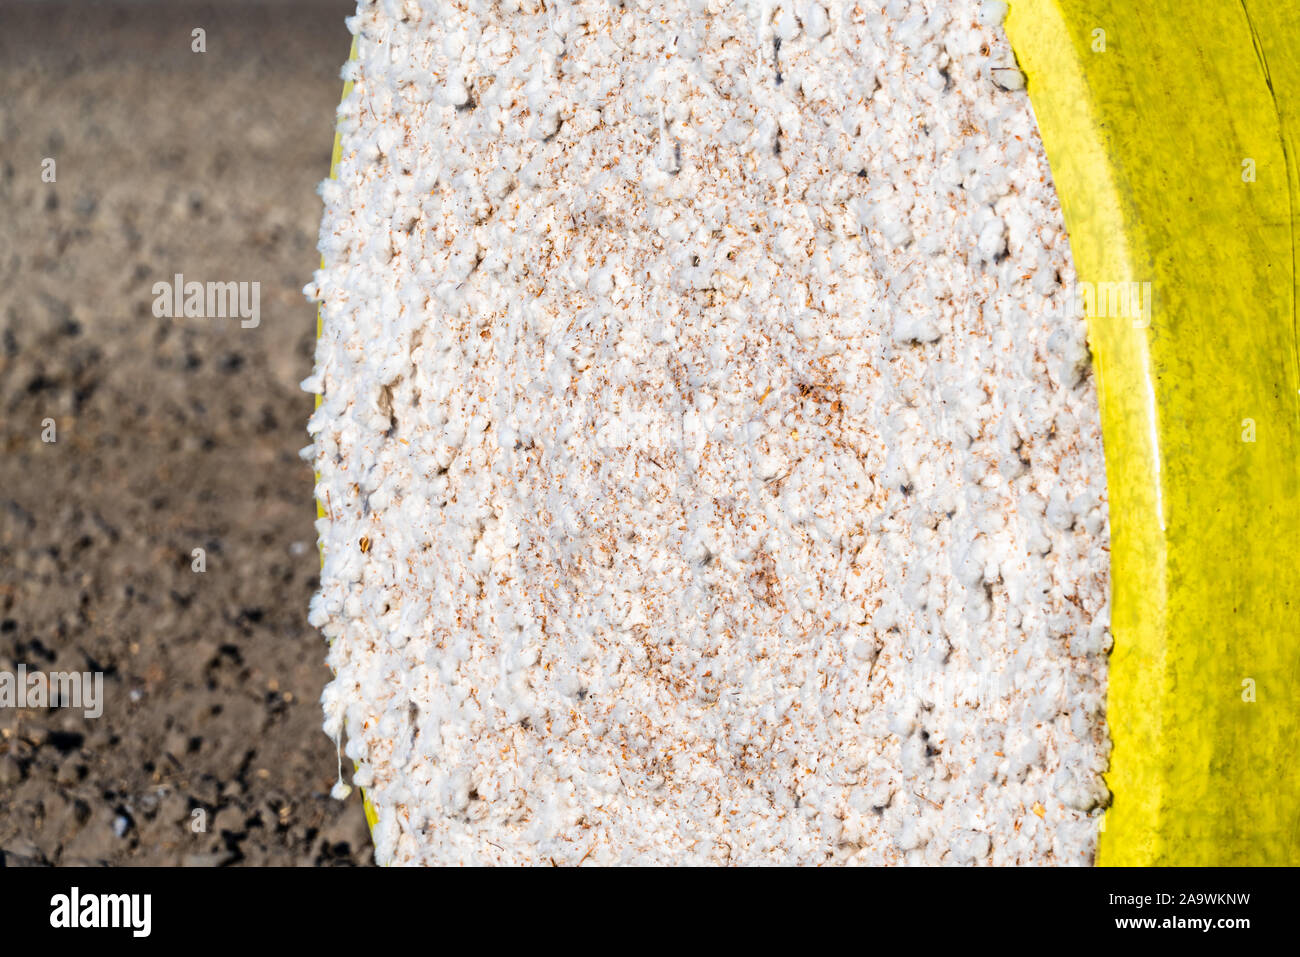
point(1171, 132)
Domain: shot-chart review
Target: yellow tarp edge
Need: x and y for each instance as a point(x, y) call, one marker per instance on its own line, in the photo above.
point(1171, 135)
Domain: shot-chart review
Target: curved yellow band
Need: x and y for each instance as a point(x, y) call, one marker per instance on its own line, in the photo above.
point(1171, 132)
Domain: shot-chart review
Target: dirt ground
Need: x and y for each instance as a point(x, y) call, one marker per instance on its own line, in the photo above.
point(171, 435)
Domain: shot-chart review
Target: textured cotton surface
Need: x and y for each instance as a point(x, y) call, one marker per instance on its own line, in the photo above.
point(711, 466)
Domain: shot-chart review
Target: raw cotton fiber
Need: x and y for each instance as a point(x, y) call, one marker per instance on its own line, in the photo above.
point(710, 459)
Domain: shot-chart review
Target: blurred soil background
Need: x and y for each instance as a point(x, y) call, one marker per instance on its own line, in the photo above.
point(172, 434)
